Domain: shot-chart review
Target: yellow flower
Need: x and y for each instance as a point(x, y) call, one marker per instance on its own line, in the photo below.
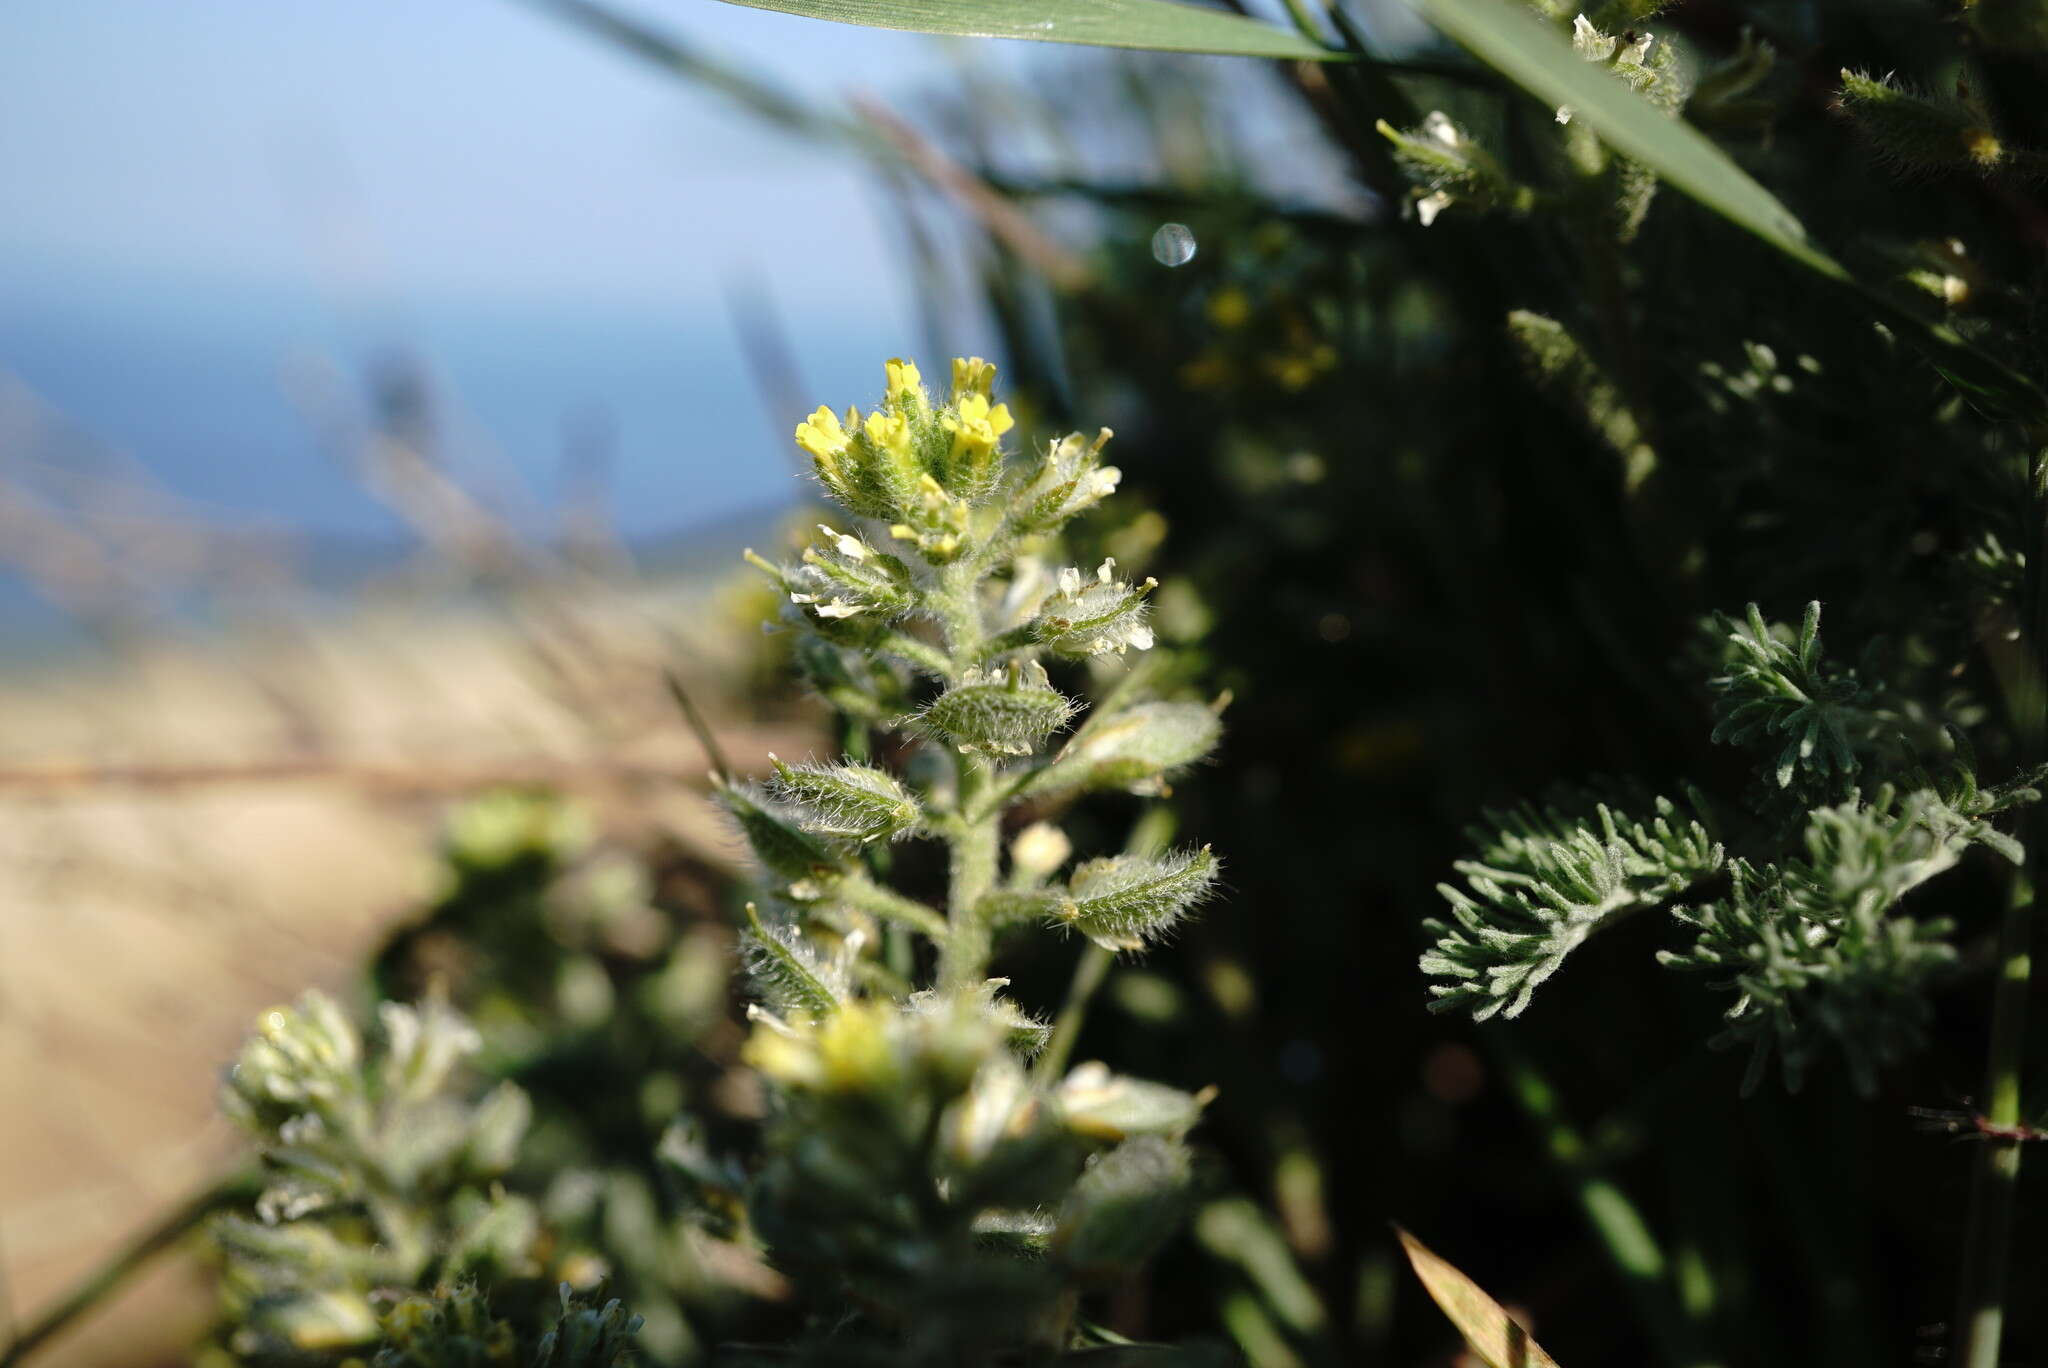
point(852, 1050)
point(976, 425)
point(888, 432)
point(972, 375)
point(856, 1048)
point(903, 376)
point(788, 1056)
point(1229, 307)
point(821, 434)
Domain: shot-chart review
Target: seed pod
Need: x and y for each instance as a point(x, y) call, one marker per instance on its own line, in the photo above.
point(1070, 479)
point(779, 842)
point(1095, 615)
point(1136, 749)
point(787, 971)
point(841, 576)
point(1916, 133)
point(1005, 713)
point(319, 1321)
point(846, 802)
point(1122, 901)
point(1105, 1106)
point(1124, 1207)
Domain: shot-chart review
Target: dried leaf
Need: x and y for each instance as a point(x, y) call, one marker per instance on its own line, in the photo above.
point(1497, 1340)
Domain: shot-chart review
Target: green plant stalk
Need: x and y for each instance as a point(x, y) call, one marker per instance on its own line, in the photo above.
point(1089, 972)
point(976, 841)
point(1994, 1186)
point(102, 1281)
point(975, 832)
point(1616, 1221)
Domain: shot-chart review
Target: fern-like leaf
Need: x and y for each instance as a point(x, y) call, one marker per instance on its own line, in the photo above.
point(1543, 882)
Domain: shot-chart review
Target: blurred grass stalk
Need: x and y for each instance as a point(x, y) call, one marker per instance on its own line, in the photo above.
point(1615, 1220)
point(168, 1230)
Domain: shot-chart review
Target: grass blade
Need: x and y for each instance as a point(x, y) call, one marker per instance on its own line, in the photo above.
point(1535, 56)
point(1512, 40)
point(1160, 25)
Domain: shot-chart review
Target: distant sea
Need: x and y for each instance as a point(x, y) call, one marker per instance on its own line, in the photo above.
point(191, 385)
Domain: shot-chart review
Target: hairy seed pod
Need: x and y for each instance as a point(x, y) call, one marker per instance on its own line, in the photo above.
point(1008, 713)
point(1135, 749)
point(1124, 1207)
point(777, 838)
point(1122, 901)
point(846, 802)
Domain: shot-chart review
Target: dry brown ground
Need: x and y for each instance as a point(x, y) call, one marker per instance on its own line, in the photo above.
point(152, 902)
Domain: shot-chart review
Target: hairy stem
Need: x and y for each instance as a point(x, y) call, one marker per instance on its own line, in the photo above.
point(977, 836)
point(885, 903)
point(963, 959)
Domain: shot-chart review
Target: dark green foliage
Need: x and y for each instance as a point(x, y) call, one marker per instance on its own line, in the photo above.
point(1454, 498)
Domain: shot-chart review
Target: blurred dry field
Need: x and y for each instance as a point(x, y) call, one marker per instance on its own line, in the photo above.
point(191, 831)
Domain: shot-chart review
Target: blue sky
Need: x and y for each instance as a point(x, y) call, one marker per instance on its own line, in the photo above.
point(441, 147)
point(207, 195)
point(204, 197)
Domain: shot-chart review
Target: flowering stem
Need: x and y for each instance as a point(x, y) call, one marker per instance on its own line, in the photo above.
point(1631, 1247)
point(963, 959)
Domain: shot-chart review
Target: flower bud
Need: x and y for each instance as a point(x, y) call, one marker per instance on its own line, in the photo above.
point(587, 1338)
point(423, 1045)
point(301, 1059)
point(497, 1126)
point(1038, 850)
